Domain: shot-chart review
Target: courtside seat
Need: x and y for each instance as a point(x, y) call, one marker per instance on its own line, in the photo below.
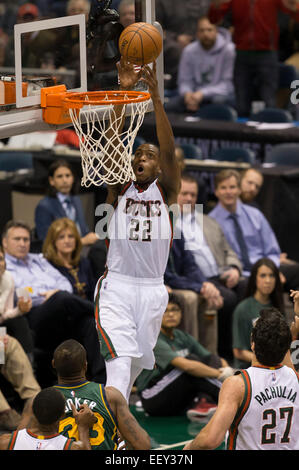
point(272, 115)
point(234, 154)
point(217, 112)
point(283, 154)
point(13, 161)
point(191, 151)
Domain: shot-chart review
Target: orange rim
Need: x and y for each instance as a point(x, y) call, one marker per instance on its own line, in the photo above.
point(102, 98)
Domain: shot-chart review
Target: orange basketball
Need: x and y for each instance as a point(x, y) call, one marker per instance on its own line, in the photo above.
point(140, 43)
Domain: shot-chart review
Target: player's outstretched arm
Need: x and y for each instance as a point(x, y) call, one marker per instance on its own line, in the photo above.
point(128, 77)
point(170, 171)
point(213, 434)
point(135, 436)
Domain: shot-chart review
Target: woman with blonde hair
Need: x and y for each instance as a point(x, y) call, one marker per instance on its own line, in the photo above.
point(63, 249)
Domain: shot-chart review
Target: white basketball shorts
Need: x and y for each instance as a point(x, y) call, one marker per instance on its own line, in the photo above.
point(128, 314)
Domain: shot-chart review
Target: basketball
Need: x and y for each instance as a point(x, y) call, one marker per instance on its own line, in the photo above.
point(140, 43)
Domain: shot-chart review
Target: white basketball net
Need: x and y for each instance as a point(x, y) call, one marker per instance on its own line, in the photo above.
point(106, 154)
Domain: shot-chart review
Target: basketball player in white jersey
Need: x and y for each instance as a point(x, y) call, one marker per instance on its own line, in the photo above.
point(259, 406)
point(131, 296)
point(48, 407)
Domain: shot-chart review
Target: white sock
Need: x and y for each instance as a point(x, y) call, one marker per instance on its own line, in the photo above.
point(118, 373)
point(135, 371)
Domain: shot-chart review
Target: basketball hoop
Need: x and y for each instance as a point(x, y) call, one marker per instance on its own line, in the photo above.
point(97, 116)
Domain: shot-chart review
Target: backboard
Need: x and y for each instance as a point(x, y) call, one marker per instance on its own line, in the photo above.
point(72, 50)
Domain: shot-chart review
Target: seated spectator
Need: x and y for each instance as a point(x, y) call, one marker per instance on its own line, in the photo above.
point(42, 434)
point(184, 371)
point(251, 183)
point(126, 10)
point(201, 299)
point(200, 177)
point(61, 201)
point(205, 70)
point(12, 317)
point(214, 257)
point(256, 37)
point(70, 363)
point(56, 313)
point(62, 248)
point(34, 44)
point(18, 372)
point(178, 20)
point(247, 230)
point(263, 290)
point(8, 17)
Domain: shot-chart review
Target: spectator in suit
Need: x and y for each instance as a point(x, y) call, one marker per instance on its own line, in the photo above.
point(62, 200)
point(56, 314)
point(213, 256)
point(62, 248)
point(247, 230)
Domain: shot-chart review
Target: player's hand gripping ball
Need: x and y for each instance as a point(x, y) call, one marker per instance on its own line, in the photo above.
point(140, 43)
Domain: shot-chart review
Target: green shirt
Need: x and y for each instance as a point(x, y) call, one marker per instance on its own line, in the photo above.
point(165, 351)
point(103, 434)
point(244, 316)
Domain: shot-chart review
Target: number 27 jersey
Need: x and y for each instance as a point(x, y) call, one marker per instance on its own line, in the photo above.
point(268, 418)
point(140, 233)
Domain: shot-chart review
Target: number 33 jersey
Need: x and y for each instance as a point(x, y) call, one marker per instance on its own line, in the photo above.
point(140, 233)
point(268, 418)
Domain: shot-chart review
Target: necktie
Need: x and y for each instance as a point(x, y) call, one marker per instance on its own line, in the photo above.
point(241, 242)
point(69, 209)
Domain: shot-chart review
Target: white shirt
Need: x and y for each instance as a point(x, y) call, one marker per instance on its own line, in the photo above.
point(195, 241)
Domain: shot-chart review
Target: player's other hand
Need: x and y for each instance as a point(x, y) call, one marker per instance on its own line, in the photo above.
point(128, 75)
point(84, 417)
point(148, 75)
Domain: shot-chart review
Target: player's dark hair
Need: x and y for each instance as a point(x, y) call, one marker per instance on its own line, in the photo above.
point(69, 358)
point(272, 337)
point(48, 406)
point(51, 191)
point(276, 297)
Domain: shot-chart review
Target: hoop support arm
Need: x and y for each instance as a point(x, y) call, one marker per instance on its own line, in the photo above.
point(52, 104)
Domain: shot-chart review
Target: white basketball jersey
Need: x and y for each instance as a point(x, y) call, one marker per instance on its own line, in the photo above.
point(26, 440)
point(140, 233)
point(268, 418)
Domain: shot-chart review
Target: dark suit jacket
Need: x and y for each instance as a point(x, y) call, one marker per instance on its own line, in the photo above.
point(182, 271)
point(50, 209)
